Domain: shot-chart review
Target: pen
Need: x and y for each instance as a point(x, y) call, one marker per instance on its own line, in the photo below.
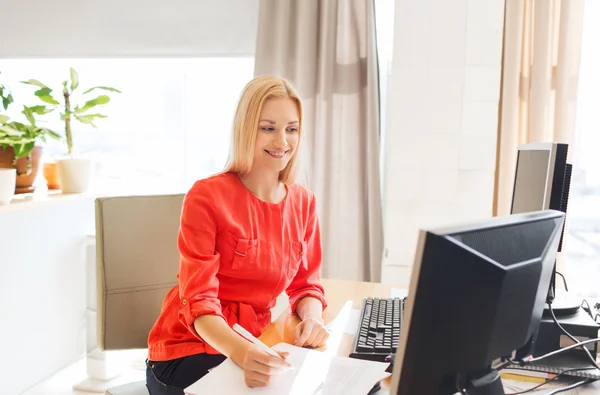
point(239, 329)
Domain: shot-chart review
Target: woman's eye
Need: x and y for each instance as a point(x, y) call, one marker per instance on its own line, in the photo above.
point(292, 130)
point(267, 128)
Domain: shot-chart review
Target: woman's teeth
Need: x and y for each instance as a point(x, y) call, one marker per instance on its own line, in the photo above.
point(276, 154)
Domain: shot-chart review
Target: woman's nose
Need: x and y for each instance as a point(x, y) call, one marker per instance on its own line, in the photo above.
point(280, 140)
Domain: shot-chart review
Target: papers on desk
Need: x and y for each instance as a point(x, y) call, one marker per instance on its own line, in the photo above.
point(511, 386)
point(315, 373)
point(398, 293)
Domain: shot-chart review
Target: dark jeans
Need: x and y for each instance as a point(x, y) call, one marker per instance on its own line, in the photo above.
point(171, 377)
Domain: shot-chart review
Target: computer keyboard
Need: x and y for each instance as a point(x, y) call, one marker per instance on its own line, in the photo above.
point(378, 329)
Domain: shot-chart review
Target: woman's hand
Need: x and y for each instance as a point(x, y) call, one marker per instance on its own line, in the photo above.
point(311, 332)
point(260, 367)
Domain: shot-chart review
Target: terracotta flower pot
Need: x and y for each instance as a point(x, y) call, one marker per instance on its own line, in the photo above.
point(51, 175)
point(27, 167)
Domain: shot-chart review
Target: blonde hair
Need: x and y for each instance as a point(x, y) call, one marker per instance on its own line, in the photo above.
point(245, 124)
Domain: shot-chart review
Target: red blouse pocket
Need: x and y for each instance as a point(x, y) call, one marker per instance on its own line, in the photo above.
point(239, 258)
point(244, 253)
point(297, 257)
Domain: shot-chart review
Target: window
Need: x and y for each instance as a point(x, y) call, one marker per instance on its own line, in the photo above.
point(582, 243)
point(384, 30)
point(170, 126)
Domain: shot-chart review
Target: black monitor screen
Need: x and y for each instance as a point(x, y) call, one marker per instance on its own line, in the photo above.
point(530, 181)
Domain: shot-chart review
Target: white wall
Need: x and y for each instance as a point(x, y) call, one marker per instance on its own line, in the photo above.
point(442, 125)
point(115, 28)
point(42, 288)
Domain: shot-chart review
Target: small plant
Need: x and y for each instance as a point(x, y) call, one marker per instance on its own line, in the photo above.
point(23, 137)
point(68, 110)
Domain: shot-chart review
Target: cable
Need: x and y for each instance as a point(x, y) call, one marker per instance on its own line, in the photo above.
point(592, 359)
point(572, 346)
point(586, 308)
point(570, 387)
point(549, 381)
point(564, 280)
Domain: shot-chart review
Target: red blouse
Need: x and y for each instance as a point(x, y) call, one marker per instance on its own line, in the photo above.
point(237, 254)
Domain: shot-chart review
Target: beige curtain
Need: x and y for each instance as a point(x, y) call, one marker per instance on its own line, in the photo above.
point(542, 42)
point(326, 48)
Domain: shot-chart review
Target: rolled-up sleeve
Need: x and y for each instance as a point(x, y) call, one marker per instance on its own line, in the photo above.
point(307, 281)
point(199, 262)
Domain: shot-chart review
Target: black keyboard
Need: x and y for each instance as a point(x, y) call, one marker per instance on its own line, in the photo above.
point(378, 328)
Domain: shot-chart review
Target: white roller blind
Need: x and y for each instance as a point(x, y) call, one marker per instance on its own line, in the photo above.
point(126, 28)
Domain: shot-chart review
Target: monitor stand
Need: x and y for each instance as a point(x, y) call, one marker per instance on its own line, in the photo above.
point(490, 384)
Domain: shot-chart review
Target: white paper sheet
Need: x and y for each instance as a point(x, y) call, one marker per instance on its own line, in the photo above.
point(352, 322)
point(315, 373)
point(346, 321)
point(398, 293)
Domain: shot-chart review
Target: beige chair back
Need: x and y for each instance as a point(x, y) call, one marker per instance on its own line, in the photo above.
point(137, 264)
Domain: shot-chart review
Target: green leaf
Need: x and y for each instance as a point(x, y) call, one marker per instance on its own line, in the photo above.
point(74, 79)
point(8, 142)
point(40, 110)
point(10, 131)
point(4, 118)
point(45, 96)
point(6, 100)
point(106, 88)
point(29, 115)
point(22, 150)
point(52, 134)
point(102, 99)
point(34, 82)
point(89, 119)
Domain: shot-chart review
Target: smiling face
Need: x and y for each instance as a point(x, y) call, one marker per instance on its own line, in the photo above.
point(278, 134)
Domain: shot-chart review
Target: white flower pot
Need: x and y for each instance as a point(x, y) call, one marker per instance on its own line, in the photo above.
point(75, 174)
point(8, 181)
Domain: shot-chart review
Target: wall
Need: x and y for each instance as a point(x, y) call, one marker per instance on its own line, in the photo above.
point(442, 122)
point(115, 28)
point(42, 287)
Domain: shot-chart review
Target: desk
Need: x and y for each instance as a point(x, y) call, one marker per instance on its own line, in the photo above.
point(337, 293)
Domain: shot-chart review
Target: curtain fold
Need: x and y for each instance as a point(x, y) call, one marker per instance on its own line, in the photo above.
point(327, 49)
point(542, 45)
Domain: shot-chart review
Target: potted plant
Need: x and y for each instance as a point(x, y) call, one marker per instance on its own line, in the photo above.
point(75, 172)
point(7, 176)
point(20, 148)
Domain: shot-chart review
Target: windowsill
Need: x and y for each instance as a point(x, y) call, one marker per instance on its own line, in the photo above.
point(41, 197)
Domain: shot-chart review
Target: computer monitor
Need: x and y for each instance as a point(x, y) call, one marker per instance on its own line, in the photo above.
point(477, 293)
point(542, 182)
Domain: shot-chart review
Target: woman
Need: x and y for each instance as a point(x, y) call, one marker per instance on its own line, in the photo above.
point(246, 235)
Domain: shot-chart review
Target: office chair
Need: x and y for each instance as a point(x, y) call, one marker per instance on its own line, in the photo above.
point(137, 264)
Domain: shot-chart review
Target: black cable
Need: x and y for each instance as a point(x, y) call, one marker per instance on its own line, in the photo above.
point(592, 359)
point(586, 308)
point(564, 372)
point(564, 280)
point(570, 387)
